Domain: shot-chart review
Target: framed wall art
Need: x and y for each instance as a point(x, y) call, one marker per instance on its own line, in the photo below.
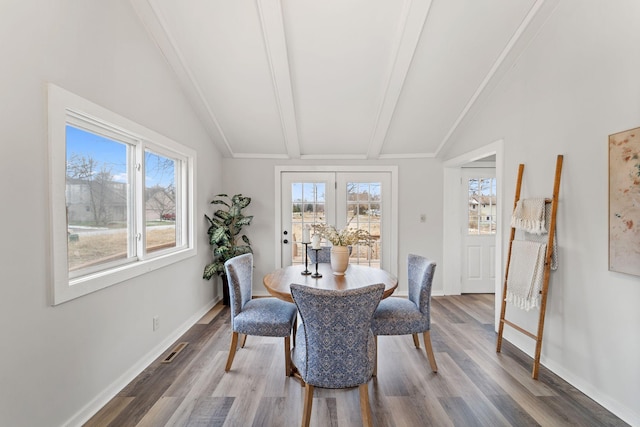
point(624, 202)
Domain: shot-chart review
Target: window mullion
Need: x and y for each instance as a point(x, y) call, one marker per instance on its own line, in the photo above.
point(138, 235)
point(181, 201)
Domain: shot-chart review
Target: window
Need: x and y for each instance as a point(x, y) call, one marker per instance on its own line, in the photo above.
point(364, 200)
point(121, 197)
point(482, 206)
point(307, 208)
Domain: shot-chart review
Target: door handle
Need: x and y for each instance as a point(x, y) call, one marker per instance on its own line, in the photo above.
point(285, 241)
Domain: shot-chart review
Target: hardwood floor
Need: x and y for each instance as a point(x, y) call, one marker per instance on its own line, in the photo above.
point(474, 386)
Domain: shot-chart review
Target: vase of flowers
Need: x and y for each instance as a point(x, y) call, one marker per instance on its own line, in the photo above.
point(339, 259)
point(341, 241)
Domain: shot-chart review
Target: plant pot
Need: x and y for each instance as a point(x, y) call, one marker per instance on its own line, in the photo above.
point(339, 259)
point(225, 290)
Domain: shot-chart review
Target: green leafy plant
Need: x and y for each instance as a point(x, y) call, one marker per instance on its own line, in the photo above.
point(225, 230)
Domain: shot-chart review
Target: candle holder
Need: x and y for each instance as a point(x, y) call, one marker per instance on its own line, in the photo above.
point(316, 275)
point(306, 271)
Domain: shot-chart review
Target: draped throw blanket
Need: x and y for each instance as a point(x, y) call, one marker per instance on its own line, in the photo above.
point(526, 272)
point(529, 215)
point(543, 238)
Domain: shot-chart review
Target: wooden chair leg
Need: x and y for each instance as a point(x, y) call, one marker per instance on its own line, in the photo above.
point(416, 341)
point(365, 408)
point(287, 356)
point(232, 351)
point(375, 360)
point(308, 401)
point(429, 350)
point(243, 341)
point(295, 329)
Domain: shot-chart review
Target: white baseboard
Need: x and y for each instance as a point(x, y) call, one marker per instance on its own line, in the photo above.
point(98, 402)
point(626, 414)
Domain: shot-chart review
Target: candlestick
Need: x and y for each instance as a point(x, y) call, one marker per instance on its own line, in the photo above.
point(316, 275)
point(306, 271)
point(306, 234)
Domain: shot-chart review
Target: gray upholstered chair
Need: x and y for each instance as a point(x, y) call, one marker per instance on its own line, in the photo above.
point(401, 316)
point(266, 317)
point(324, 254)
point(335, 347)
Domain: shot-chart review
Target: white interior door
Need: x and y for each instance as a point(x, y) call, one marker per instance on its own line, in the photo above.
point(355, 199)
point(478, 230)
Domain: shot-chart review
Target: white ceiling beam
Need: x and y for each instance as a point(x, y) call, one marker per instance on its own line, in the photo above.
point(158, 30)
point(276, 45)
point(414, 16)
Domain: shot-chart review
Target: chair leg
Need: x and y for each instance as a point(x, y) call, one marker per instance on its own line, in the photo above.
point(416, 341)
point(243, 341)
point(287, 356)
point(308, 401)
point(232, 351)
point(429, 350)
point(375, 360)
point(295, 329)
point(365, 408)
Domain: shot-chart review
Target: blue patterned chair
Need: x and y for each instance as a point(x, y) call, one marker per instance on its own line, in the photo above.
point(400, 316)
point(266, 317)
point(335, 347)
point(324, 254)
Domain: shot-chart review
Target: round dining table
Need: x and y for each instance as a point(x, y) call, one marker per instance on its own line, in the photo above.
point(356, 276)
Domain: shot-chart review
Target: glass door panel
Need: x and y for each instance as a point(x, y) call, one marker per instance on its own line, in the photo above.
point(364, 203)
point(307, 199)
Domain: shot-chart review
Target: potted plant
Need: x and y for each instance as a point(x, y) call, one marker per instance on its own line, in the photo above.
point(225, 238)
point(342, 240)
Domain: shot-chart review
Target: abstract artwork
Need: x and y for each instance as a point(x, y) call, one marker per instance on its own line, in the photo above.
point(624, 202)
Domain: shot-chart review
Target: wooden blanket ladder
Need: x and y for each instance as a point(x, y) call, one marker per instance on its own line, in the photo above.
point(547, 269)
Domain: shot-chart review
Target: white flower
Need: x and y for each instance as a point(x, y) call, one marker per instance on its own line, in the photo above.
point(343, 237)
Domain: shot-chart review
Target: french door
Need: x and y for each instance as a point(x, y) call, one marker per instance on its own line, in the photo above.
point(343, 199)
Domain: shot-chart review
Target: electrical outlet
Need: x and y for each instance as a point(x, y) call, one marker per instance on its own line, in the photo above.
point(156, 323)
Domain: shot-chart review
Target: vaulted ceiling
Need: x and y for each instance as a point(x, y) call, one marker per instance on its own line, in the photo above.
point(353, 79)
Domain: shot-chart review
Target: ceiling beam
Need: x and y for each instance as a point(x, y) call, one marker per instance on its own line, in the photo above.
point(276, 46)
point(414, 16)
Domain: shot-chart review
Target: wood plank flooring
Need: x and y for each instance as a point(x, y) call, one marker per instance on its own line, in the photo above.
point(474, 386)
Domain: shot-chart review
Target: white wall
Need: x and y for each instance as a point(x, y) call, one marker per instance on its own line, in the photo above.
point(576, 84)
point(57, 360)
point(420, 191)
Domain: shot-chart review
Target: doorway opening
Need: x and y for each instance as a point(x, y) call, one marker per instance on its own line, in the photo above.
point(452, 246)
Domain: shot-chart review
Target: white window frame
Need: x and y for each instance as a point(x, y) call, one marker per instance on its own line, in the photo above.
point(63, 105)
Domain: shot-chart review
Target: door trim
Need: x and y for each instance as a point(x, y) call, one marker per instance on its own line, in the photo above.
point(452, 269)
point(393, 170)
